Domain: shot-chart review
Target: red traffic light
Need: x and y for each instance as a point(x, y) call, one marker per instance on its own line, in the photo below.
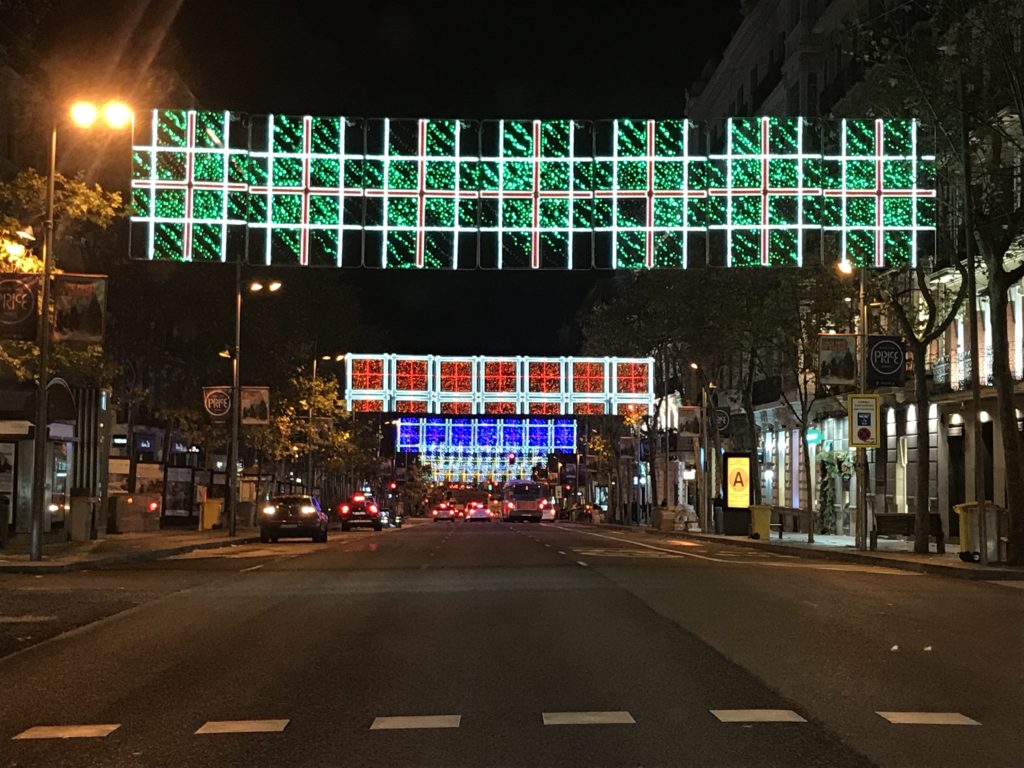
point(392, 485)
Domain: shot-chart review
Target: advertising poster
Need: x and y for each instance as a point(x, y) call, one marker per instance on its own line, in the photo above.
point(255, 403)
point(837, 359)
point(80, 308)
point(149, 478)
point(689, 421)
point(178, 501)
point(19, 307)
point(118, 472)
point(7, 453)
point(737, 481)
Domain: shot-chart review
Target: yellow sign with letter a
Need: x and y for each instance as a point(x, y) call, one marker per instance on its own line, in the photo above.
point(737, 482)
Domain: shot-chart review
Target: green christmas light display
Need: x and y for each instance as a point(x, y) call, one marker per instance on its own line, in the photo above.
point(530, 194)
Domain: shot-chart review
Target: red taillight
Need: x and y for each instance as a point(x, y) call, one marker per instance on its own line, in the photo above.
point(373, 509)
point(510, 505)
point(433, 512)
point(344, 509)
point(154, 506)
point(543, 504)
point(489, 513)
point(359, 497)
point(460, 514)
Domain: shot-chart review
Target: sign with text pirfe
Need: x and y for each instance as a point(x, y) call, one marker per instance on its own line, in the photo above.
point(887, 362)
point(19, 307)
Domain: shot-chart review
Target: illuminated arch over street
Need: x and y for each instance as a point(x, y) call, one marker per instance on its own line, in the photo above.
point(530, 194)
point(483, 449)
point(499, 386)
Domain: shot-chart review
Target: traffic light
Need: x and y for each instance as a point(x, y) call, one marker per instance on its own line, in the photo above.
point(392, 485)
point(511, 458)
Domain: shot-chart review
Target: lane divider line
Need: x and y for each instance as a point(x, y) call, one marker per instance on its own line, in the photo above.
point(415, 721)
point(757, 716)
point(927, 718)
point(252, 568)
point(588, 718)
point(242, 726)
point(96, 731)
point(580, 562)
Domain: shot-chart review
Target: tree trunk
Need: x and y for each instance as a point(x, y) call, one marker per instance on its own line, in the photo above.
point(923, 447)
point(1011, 442)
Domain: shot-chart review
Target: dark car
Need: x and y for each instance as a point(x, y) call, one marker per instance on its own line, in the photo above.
point(293, 515)
point(360, 510)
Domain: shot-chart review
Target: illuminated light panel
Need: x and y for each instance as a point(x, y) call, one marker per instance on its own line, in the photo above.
point(476, 450)
point(542, 386)
point(529, 194)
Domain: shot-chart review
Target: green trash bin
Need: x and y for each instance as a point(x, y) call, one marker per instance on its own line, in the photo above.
point(760, 521)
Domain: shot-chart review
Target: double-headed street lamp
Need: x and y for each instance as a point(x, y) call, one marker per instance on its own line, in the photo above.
point(231, 496)
point(846, 268)
point(83, 114)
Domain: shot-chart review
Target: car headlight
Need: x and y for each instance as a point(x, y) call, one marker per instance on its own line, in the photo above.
point(269, 509)
point(308, 509)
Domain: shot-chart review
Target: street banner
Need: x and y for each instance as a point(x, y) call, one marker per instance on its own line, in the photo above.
point(864, 420)
point(887, 362)
point(737, 481)
point(19, 307)
point(79, 308)
point(217, 401)
point(837, 359)
point(255, 405)
point(689, 420)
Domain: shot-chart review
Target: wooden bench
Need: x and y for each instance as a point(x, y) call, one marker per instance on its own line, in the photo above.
point(898, 524)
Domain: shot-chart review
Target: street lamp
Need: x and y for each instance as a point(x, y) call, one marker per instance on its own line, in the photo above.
point(232, 492)
point(312, 395)
point(116, 115)
point(846, 268)
point(707, 475)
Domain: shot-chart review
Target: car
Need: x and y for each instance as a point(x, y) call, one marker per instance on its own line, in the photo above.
point(293, 515)
point(391, 519)
point(477, 510)
point(549, 512)
point(361, 510)
point(445, 511)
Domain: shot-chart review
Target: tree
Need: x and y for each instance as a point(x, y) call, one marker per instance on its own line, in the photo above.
point(925, 62)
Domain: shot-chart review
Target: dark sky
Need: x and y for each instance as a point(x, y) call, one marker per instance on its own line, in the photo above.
point(434, 59)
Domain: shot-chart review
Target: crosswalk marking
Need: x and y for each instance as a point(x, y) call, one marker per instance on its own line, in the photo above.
point(927, 718)
point(757, 716)
point(243, 726)
point(97, 731)
point(588, 718)
point(415, 721)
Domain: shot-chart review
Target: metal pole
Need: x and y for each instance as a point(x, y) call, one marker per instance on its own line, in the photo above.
point(309, 441)
point(862, 453)
point(41, 434)
point(231, 496)
point(705, 480)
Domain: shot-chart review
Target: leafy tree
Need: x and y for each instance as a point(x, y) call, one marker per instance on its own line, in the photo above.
point(926, 61)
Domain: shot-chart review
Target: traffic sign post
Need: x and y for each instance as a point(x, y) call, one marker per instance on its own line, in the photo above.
point(864, 418)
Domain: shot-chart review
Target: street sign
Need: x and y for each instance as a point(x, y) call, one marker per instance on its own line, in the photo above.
point(887, 362)
point(720, 419)
point(864, 418)
point(813, 436)
point(737, 481)
point(217, 401)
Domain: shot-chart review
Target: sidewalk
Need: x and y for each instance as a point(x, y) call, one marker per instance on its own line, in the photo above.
point(116, 548)
point(892, 553)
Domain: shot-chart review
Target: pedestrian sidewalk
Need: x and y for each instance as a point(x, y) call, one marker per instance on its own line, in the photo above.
point(116, 548)
point(893, 553)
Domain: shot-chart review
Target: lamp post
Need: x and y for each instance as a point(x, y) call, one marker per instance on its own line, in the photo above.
point(84, 114)
point(232, 492)
point(861, 539)
point(312, 398)
point(707, 465)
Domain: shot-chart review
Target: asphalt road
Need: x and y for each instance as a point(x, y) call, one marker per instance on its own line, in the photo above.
point(507, 645)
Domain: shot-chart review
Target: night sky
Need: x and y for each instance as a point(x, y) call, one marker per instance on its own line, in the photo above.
point(432, 59)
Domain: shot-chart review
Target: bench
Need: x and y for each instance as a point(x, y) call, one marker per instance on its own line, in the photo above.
point(788, 519)
point(898, 524)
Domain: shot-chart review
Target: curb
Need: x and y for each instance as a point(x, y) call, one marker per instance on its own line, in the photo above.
point(978, 573)
point(126, 557)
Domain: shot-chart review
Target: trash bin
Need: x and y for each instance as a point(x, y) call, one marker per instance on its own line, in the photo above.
point(718, 516)
point(997, 530)
point(81, 522)
point(760, 521)
point(210, 518)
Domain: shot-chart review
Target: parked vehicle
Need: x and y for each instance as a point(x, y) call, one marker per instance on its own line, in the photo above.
point(293, 515)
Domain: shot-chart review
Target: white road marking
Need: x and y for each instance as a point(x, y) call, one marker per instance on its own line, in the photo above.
point(757, 716)
point(243, 726)
point(580, 562)
point(927, 718)
point(415, 721)
point(25, 619)
point(561, 552)
point(69, 731)
point(548, 546)
point(588, 718)
point(622, 552)
point(252, 568)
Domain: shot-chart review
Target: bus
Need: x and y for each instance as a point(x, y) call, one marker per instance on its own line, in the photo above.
point(523, 499)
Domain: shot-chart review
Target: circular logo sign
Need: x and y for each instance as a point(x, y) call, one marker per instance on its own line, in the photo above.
point(217, 402)
point(17, 302)
point(863, 434)
point(887, 357)
point(721, 419)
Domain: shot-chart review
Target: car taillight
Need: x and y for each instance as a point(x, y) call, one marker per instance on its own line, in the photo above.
point(154, 506)
point(489, 513)
point(543, 504)
point(511, 505)
point(433, 512)
point(373, 509)
point(344, 509)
